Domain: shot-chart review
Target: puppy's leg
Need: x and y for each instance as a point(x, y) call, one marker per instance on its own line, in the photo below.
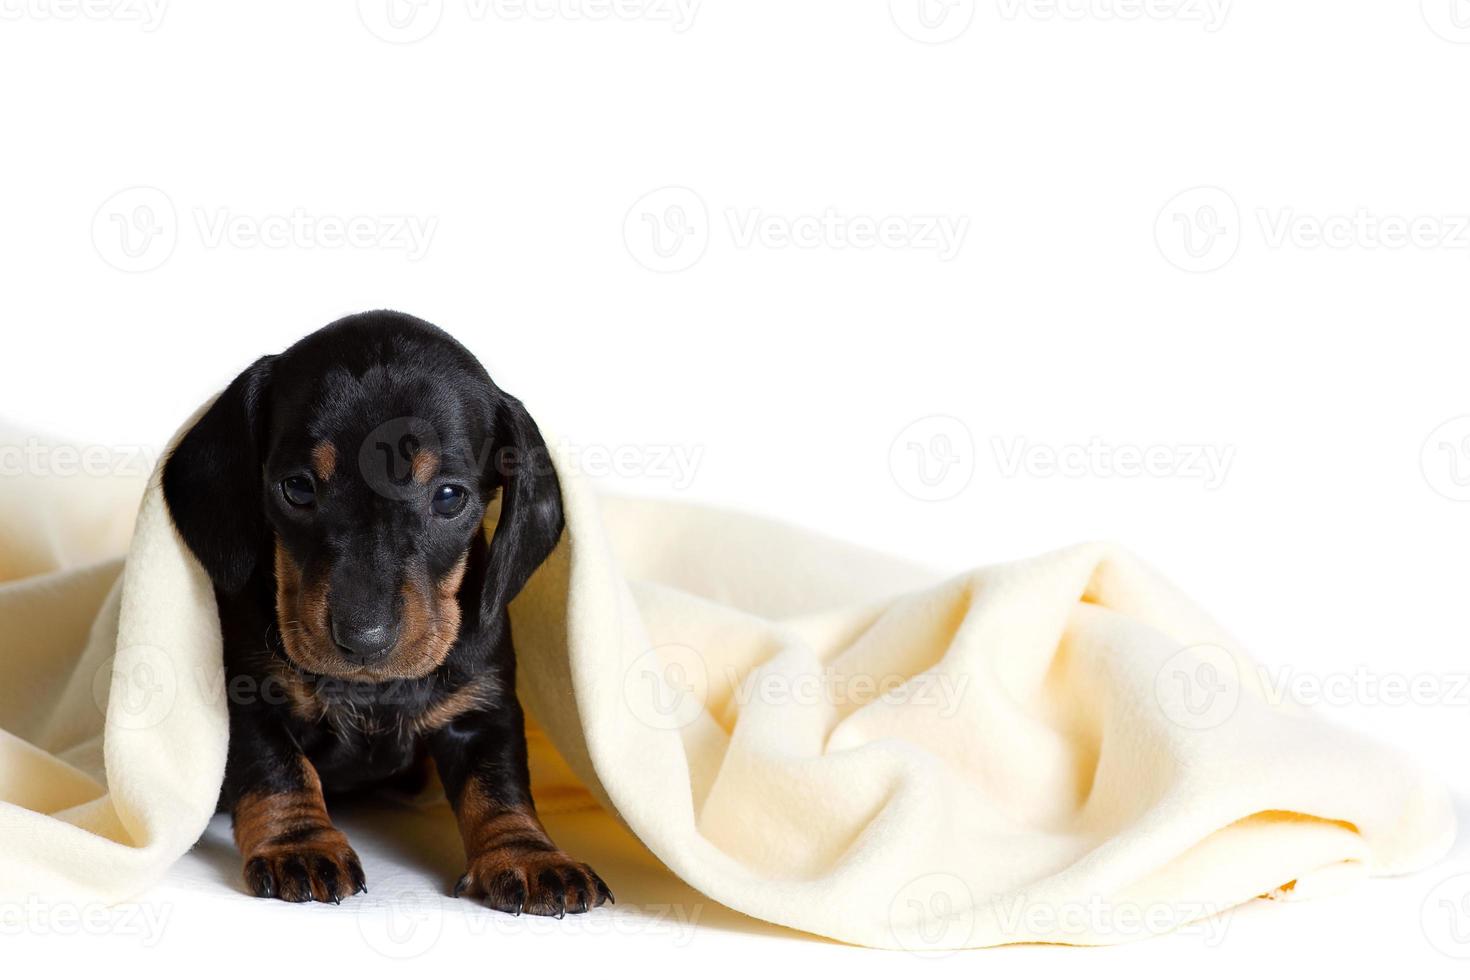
point(513, 864)
point(289, 847)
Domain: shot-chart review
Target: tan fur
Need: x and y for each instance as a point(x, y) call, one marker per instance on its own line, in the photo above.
point(478, 693)
point(430, 621)
point(301, 611)
point(260, 818)
point(488, 829)
point(324, 460)
point(425, 465)
point(514, 865)
point(304, 703)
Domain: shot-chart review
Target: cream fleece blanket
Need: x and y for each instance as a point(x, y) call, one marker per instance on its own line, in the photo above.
point(1062, 749)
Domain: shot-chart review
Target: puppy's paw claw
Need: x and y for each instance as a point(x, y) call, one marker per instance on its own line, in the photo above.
point(537, 883)
point(325, 870)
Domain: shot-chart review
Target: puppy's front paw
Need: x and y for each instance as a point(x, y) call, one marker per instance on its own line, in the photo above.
point(548, 882)
point(320, 867)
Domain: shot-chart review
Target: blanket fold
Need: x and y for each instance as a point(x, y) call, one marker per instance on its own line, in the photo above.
point(801, 730)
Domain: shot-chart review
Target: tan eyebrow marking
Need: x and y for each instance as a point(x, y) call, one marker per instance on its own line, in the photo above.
point(425, 465)
point(324, 460)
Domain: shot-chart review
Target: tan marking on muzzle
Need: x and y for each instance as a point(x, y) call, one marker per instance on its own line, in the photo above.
point(301, 614)
point(430, 622)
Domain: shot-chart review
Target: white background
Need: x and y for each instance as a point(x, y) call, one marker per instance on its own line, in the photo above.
point(1182, 230)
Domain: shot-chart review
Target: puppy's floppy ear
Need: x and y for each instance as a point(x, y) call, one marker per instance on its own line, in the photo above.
point(530, 505)
point(212, 481)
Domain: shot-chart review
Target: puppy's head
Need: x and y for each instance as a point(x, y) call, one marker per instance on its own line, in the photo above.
point(350, 475)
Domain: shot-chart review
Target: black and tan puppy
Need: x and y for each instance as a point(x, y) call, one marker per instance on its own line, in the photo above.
point(335, 493)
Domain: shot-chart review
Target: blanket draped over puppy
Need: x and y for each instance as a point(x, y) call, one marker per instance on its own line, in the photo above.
point(802, 731)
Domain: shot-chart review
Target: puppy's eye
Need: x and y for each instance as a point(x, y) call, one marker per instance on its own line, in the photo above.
point(299, 491)
point(449, 500)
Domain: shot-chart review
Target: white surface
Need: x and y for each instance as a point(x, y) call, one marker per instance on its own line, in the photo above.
point(200, 920)
point(1323, 371)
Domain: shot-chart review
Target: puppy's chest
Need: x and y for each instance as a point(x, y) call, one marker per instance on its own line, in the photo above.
point(356, 733)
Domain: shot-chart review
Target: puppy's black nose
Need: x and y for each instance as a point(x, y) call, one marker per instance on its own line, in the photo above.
point(362, 643)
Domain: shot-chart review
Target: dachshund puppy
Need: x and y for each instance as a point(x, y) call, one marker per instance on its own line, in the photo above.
point(334, 494)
